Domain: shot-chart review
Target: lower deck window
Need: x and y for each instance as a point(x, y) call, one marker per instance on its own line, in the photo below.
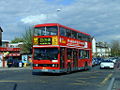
point(84, 54)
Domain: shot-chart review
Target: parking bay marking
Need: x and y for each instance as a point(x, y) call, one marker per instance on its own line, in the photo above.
point(81, 82)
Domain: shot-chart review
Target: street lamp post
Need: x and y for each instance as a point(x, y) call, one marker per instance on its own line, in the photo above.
point(58, 10)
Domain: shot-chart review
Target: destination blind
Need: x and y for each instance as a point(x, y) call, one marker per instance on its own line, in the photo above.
point(45, 41)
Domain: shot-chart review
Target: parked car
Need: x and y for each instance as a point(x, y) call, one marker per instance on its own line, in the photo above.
point(16, 63)
point(99, 60)
point(107, 64)
point(113, 59)
point(10, 62)
point(13, 62)
point(93, 62)
point(96, 61)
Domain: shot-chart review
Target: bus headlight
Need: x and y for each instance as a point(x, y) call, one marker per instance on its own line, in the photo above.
point(54, 65)
point(35, 65)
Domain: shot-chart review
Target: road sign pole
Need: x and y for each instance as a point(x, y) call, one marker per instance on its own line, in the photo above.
point(3, 61)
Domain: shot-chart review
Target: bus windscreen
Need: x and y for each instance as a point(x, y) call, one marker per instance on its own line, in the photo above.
point(45, 53)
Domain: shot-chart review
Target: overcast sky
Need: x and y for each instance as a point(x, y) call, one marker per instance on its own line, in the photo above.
point(100, 18)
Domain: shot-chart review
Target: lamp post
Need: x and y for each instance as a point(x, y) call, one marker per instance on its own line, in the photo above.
point(58, 10)
point(58, 14)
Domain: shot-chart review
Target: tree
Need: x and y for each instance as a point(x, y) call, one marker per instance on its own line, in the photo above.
point(27, 41)
point(115, 48)
point(17, 39)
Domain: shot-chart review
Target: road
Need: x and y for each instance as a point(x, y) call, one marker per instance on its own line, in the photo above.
point(95, 79)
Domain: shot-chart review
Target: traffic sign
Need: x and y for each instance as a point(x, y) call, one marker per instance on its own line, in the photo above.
point(24, 58)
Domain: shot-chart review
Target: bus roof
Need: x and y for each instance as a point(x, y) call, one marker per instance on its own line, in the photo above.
point(57, 24)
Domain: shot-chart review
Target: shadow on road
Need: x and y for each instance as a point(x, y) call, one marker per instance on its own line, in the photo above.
point(59, 74)
point(15, 86)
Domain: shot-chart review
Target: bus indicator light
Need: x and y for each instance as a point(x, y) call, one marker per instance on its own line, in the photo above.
point(54, 40)
point(35, 41)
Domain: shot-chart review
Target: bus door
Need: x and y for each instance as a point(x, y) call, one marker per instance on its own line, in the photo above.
point(75, 58)
point(62, 58)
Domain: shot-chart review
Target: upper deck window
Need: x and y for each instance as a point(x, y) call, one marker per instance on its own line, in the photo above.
point(45, 31)
point(62, 31)
point(68, 33)
point(74, 34)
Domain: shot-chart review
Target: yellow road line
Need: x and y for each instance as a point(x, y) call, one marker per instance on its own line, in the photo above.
point(106, 79)
point(91, 77)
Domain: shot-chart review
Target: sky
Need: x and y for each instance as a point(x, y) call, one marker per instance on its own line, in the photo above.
point(99, 18)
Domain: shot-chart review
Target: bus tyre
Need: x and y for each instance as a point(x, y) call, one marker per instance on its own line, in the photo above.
point(86, 66)
point(69, 68)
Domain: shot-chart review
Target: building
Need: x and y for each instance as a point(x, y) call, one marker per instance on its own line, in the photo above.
point(103, 49)
point(13, 51)
point(5, 43)
point(93, 47)
point(15, 45)
point(7, 52)
point(100, 49)
point(1, 36)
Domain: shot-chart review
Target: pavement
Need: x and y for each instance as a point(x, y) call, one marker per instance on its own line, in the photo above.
point(116, 84)
point(14, 68)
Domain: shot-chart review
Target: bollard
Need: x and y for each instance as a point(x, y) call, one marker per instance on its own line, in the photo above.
point(25, 64)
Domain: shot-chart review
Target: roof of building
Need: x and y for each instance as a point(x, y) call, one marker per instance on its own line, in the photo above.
point(6, 41)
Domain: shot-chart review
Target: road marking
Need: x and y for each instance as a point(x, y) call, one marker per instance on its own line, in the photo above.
point(2, 81)
point(84, 83)
point(89, 77)
point(80, 82)
point(106, 79)
point(22, 81)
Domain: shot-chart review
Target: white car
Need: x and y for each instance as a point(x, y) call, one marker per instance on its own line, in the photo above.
point(114, 60)
point(107, 64)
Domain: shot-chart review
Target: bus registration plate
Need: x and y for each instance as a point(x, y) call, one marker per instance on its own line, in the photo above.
point(44, 69)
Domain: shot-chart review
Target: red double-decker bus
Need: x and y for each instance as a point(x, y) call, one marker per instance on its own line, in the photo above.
point(58, 48)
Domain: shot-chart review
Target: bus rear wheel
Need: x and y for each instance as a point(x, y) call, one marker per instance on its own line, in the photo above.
point(86, 66)
point(69, 68)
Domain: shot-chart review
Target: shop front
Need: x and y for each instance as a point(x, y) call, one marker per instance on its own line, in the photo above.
point(10, 56)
